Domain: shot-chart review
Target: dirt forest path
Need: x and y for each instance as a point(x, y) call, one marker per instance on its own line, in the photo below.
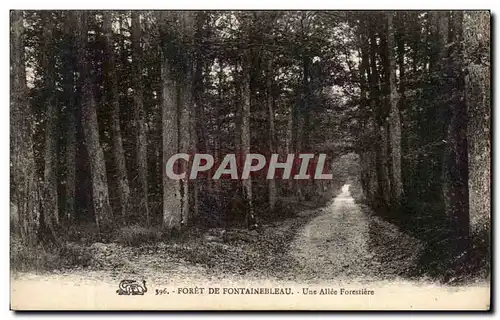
point(342, 245)
point(346, 242)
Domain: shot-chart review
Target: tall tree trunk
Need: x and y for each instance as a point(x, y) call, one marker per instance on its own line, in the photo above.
point(455, 164)
point(384, 160)
point(306, 132)
point(49, 194)
point(402, 70)
point(170, 128)
point(367, 155)
point(24, 190)
point(187, 135)
point(199, 116)
point(245, 111)
point(194, 185)
point(217, 114)
point(301, 122)
point(70, 93)
point(100, 193)
point(380, 127)
point(140, 121)
point(289, 141)
point(272, 133)
point(245, 143)
point(184, 115)
point(401, 43)
point(478, 98)
point(394, 118)
point(118, 152)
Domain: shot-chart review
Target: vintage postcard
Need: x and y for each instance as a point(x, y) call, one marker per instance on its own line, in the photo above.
point(250, 160)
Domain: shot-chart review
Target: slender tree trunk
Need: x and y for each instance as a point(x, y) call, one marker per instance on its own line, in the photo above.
point(380, 127)
point(140, 121)
point(194, 185)
point(49, 195)
point(477, 26)
point(217, 114)
point(197, 108)
point(118, 152)
point(394, 118)
point(183, 97)
point(170, 130)
point(306, 130)
point(402, 70)
point(272, 133)
point(289, 141)
point(245, 112)
point(24, 190)
point(384, 161)
point(455, 164)
point(201, 68)
point(170, 138)
point(301, 121)
point(297, 132)
point(187, 135)
point(367, 155)
point(245, 142)
point(401, 43)
point(70, 93)
point(100, 194)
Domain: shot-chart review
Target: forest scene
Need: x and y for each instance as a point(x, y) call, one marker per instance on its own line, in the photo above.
point(398, 101)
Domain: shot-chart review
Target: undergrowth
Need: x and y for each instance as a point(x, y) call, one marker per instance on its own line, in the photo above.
point(233, 250)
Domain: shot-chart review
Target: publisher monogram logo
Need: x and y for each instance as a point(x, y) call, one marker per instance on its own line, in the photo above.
point(132, 288)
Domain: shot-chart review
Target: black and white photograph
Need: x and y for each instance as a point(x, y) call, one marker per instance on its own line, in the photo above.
point(250, 160)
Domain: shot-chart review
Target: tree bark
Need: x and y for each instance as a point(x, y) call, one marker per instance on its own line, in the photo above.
point(118, 152)
point(184, 144)
point(272, 134)
point(394, 118)
point(170, 128)
point(197, 108)
point(187, 135)
point(100, 193)
point(301, 121)
point(245, 111)
point(402, 70)
point(478, 100)
point(367, 154)
point(245, 143)
point(455, 164)
point(140, 121)
point(24, 192)
point(380, 145)
point(70, 93)
point(49, 195)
